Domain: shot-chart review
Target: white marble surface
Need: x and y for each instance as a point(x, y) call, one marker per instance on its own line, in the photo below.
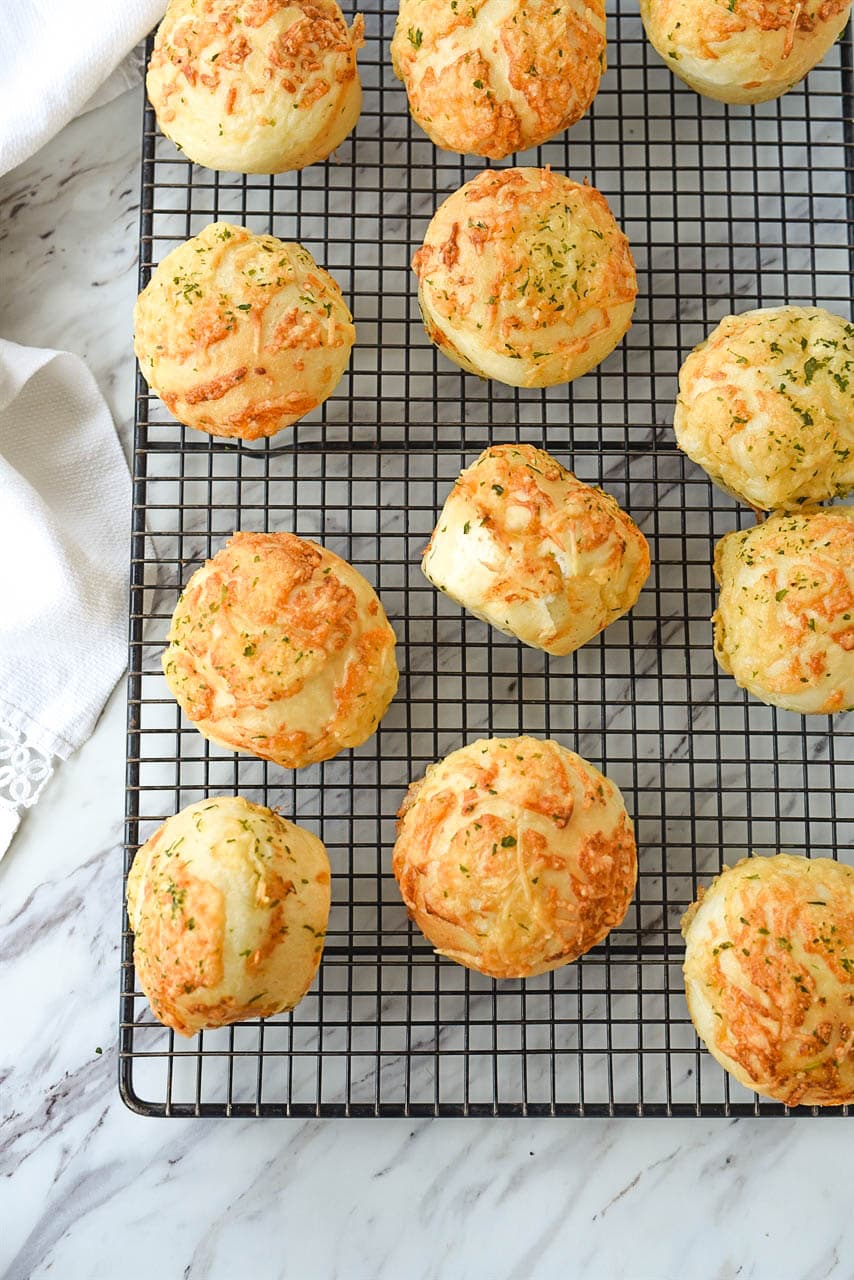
point(92, 1191)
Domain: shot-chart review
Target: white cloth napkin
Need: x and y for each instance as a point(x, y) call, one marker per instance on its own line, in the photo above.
point(57, 54)
point(64, 531)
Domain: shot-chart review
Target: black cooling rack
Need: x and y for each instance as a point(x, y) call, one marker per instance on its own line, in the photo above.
point(726, 209)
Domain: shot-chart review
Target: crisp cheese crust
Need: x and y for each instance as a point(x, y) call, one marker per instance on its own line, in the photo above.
point(279, 648)
point(769, 976)
point(489, 77)
point(514, 856)
point(228, 902)
point(784, 625)
point(255, 86)
point(524, 276)
point(532, 550)
point(766, 406)
point(241, 334)
point(743, 51)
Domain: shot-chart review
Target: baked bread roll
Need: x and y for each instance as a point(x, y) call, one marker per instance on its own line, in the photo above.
point(229, 903)
point(743, 50)
point(482, 82)
point(525, 277)
point(241, 335)
point(784, 625)
point(766, 406)
point(527, 547)
point(769, 976)
point(255, 86)
point(280, 648)
point(514, 856)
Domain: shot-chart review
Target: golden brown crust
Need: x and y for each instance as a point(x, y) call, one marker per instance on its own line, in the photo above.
point(492, 79)
point(766, 406)
point(514, 856)
point(743, 51)
point(532, 550)
point(524, 276)
point(255, 86)
point(241, 335)
point(784, 625)
point(228, 902)
point(280, 648)
point(769, 975)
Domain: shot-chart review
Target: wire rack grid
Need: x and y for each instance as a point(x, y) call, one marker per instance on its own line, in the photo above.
point(726, 209)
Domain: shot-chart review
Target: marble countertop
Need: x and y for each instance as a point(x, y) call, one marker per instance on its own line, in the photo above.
point(92, 1190)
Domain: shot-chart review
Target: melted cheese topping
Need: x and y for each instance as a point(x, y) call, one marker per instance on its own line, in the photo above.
point(784, 625)
point(525, 277)
point(766, 406)
point(241, 335)
point(743, 50)
point(514, 856)
point(228, 902)
point(490, 77)
point(769, 976)
point(279, 648)
point(255, 86)
point(533, 551)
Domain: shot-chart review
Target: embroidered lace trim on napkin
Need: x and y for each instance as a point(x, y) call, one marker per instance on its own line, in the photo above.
point(24, 769)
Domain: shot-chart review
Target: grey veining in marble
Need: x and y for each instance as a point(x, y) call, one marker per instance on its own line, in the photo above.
point(91, 1191)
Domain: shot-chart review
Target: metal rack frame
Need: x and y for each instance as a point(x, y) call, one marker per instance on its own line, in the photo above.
point(725, 209)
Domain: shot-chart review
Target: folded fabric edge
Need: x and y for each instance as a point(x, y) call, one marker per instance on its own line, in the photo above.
point(73, 84)
point(127, 75)
point(10, 820)
point(18, 724)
